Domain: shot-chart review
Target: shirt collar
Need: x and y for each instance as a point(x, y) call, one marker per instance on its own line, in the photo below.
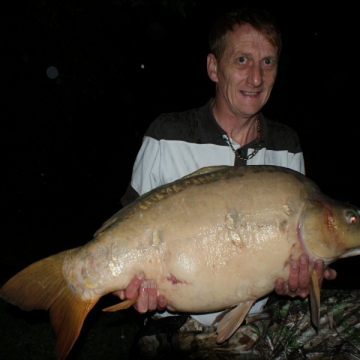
point(212, 132)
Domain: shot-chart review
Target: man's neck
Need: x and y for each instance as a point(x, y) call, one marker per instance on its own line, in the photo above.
point(240, 129)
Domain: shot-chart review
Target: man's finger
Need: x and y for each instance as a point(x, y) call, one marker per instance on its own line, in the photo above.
point(161, 303)
point(152, 296)
point(142, 302)
point(304, 275)
point(279, 287)
point(330, 274)
point(134, 285)
point(294, 275)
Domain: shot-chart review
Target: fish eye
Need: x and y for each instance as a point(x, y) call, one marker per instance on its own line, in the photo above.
point(352, 216)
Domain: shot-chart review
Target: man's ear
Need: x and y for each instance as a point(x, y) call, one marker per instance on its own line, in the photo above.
point(212, 67)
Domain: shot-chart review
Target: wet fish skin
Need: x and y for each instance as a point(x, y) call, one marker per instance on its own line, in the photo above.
point(213, 240)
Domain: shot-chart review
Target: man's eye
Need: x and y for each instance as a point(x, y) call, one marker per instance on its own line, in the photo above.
point(242, 59)
point(268, 61)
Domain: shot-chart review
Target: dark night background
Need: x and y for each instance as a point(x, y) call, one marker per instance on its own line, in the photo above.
point(69, 142)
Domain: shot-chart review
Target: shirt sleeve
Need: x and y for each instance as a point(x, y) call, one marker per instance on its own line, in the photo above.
point(296, 162)
point(145, 175)
point(146, 171)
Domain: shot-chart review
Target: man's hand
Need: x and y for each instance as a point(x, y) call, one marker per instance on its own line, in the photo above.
point(148, 299)
point(299, 277)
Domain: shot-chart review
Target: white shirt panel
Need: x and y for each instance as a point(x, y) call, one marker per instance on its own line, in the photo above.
point(161, 162)
point(278, 158)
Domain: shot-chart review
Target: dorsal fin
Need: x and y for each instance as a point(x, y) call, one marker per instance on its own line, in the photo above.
point(205, 170)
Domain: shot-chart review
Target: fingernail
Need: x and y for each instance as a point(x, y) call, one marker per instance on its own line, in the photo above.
point(319, 263)
point(140, 276)
point(294, 265)
point(145, 284)
point(303, 260)
point(152, 284)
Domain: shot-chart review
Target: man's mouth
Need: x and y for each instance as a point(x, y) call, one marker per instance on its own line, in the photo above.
point(250, 93)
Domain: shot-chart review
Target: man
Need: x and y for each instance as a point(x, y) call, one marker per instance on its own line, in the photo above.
point(229, 130)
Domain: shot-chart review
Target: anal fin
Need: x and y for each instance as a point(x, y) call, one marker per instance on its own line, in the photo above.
point(232, 320)
point(122, 305)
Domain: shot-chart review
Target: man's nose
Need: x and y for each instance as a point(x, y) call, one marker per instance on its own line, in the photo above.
point(255, 77)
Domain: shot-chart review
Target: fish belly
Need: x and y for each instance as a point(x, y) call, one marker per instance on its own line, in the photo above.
point(209, 247)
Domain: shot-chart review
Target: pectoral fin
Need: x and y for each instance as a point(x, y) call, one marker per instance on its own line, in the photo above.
point(315, 299)
point(122, 305)
point(232, 320)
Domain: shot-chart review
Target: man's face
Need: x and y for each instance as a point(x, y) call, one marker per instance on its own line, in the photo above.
point(245, 73)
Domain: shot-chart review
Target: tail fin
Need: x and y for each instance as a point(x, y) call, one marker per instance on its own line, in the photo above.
point(42, 286)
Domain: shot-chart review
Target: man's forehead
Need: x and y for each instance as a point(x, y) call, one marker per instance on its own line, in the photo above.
point(247, 37)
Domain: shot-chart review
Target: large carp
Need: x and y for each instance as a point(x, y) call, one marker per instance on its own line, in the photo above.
point(214, 240)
